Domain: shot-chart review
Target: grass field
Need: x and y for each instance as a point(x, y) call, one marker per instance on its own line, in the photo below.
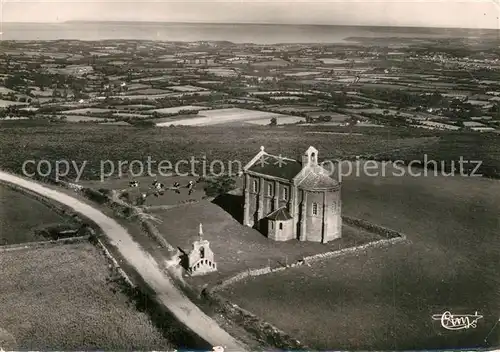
point(176, 109)
point(279, 121)
point(384, 298)
point(149, 91)
point(186, 88)
point(6, 103)
point(85, 111)
point(94, 143)
point(83, 118)
point(21, 215)
point(60, 298)
point(227, 116)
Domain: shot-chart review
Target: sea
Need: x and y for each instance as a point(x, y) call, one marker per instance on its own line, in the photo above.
point(236, 33)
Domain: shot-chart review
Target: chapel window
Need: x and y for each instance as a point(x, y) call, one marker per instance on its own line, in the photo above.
point(315, 209)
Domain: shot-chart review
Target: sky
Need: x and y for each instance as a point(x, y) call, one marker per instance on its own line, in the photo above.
point(422, 13)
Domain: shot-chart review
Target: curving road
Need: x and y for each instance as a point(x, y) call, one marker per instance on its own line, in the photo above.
point(176, 302)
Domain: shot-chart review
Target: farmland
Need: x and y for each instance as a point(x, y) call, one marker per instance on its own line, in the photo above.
point(227, 116)
point(5, 103)
point(86, 111)
point(62, 295)
point(282, 120)
point(22, 215)
point(186, 88)
point(83, 118)
point(177, 109)
point(384, 298)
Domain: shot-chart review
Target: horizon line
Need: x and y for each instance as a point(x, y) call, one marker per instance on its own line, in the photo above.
point(254, 23)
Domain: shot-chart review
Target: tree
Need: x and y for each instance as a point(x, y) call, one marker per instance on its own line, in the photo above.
point(273, 122)
point(219, 185)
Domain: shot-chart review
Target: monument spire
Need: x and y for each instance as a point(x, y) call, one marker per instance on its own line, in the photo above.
point(200, 232)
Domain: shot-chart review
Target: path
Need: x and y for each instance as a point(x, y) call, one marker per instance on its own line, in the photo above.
point(176, 302)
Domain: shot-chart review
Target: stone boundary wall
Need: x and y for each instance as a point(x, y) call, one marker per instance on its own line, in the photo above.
point(350, 250)
point(114, 262)
point(243, 275)
point(368, 226)
point(41, 244)
point(172, 206)
point(153, 231)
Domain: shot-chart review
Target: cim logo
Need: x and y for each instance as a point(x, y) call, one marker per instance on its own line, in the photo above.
point(457, 322)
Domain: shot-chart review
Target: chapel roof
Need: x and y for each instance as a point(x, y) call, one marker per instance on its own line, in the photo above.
point(317, 180)
point(280, 214)
point(277, 167)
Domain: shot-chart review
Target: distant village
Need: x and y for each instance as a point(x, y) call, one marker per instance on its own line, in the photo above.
point(164, 84)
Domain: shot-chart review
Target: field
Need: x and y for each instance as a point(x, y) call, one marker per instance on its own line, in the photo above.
point(153, 79)
point(237, 247)
point(294, 108)
point(22, 215)
point(5, 90)
point(384, 299)
point(6, 103)
point(60, 298)
point(226, 116)
point(186, 88)
point(302, 74)
point(288, 97)
point(221, 72)
point(85, 111)
point(280, 120)
point(137, 86)
point(335, 116)
point(280, 92)
point(332, 61)
point(136, 107)
point(95, 143)
point(141, 96)
point(176, 109)
point(149, 91)
point(80, 118)
point(132, 115)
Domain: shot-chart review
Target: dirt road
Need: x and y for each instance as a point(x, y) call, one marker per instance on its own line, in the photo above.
point(176, 302)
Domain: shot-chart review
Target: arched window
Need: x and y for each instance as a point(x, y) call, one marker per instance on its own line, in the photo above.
point(281, 226)
point(315, 209)
point(313, 157)
point(255, 186)
point(202, 252)
point(269, 189)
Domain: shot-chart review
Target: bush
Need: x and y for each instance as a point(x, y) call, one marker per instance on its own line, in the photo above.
point(219, 185)
point(95, 195)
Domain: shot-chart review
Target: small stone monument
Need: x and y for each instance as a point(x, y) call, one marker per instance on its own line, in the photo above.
point(201, 259)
